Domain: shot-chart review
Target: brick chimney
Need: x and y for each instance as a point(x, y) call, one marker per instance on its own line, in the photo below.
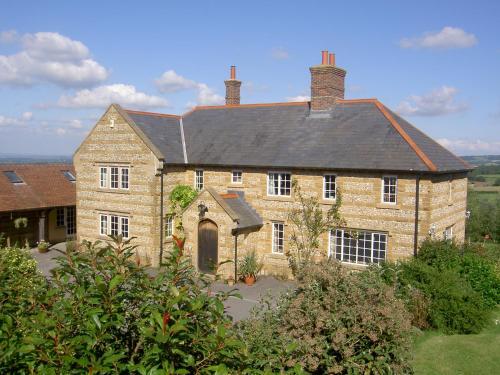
point(327, 83)
point(233, 88)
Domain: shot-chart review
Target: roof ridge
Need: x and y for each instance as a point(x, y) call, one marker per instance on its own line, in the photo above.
point(151, 113)
point(427, 161)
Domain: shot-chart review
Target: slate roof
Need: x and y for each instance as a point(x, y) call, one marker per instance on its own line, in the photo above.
point(354, 135)
point(248, 218)
point(44, 186)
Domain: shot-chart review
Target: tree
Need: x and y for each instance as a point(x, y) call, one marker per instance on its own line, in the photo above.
point(180, 197)
point(309, 221)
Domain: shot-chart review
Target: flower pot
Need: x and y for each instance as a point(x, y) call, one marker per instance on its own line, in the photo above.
point(43, 249)
point(249, 280)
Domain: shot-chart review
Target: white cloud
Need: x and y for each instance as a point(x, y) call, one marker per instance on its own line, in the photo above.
point(49, 57)
point(102, 96)
point(448, 37)
point(76, 124)
point(279, 53)
point(61, 131)
point(298, 98)
point(438, 102)
point(207, 96)
point(23, 120)
point(170, 81)
point(471, 147)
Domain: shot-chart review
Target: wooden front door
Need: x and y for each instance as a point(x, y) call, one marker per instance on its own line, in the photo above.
point(207, 246)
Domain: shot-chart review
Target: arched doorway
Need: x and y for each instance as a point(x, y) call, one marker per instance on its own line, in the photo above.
point(207, 246)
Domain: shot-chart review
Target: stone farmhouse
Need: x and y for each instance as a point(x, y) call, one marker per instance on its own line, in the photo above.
point(398, 185)
point(44, 194)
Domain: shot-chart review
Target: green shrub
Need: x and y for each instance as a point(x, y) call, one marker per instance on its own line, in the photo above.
point(447, 287)
point(470, 262)
point(101, 313)
point(335, 322)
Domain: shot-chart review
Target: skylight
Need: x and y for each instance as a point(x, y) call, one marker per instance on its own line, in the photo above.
point(69, 176)
point(13, 177)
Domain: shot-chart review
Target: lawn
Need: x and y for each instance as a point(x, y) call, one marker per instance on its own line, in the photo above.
point(436, 353)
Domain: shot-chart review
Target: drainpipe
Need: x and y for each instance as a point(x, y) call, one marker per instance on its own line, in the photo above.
point(236, 257)
point(161, 215)
point(417, 199)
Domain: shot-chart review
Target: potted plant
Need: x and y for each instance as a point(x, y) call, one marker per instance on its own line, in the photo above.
point(43, 246)
point(249, 267)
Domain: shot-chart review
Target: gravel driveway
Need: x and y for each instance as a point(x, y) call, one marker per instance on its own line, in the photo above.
point(237, 308)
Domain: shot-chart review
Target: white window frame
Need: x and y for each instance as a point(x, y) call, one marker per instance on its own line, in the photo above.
point(106, 179)
point(169, 226)
point(121, 222)
point(279, 173)
point(382, 197)
point(122, 180)
point(448, 233)
point(103, 218)
point(275, 229)
point(332, 244)
point(117, 177)
point(103, 182)
point(233, 174)
point(334, 186)
point(199, 179)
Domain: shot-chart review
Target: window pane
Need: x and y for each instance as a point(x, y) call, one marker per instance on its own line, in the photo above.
point(124, 227)
point(104, 225)
point(60, 217)
point(199, 180)
point(70, 220)
point(103, 177)
point(278, 238)
point(114, 177)
point(169, 227)
point(237, 177)
point(329, 187)
point(124, 178)
point(114, 225)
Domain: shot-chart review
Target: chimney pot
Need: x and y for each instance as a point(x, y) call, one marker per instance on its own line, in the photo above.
point(233, 72)
point(331, 59)
point(327, 83)
point(324, 57)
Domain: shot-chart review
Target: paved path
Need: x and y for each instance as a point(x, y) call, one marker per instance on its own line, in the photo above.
point(237, 308)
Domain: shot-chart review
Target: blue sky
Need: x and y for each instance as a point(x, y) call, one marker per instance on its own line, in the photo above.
point(61, 63)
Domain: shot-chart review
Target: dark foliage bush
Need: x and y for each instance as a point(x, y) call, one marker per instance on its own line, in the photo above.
point(484, 221)
point(103, 314)
point(447, 287)
point(335, 322)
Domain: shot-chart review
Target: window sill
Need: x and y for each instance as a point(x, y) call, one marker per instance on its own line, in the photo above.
point(389, 206)
point(236, 186)
point(278, 198)
point(276, 256)
point(328, 201)
point(115, 191)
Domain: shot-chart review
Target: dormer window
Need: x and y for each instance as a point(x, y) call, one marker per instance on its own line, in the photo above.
point(13, 177)
point(69, 176)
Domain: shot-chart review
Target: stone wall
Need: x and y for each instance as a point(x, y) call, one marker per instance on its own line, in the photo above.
point(118, 146)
